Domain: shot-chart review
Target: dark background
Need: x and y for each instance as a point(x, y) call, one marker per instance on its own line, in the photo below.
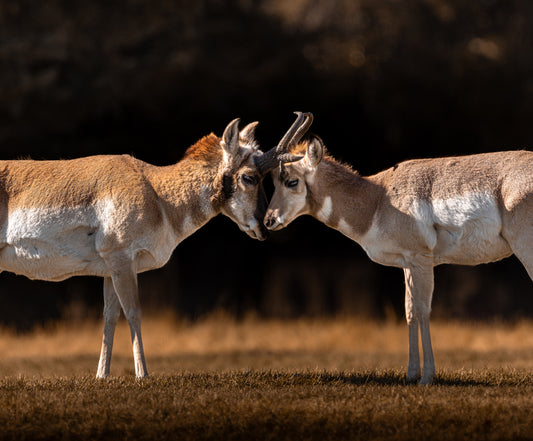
point(387, 80)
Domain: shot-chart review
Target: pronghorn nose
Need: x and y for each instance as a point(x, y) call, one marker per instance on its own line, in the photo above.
point(270, 218)
point(269, 221)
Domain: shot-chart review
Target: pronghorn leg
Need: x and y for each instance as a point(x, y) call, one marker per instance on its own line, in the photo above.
point(418, 295)
point(111, 315)
point(413, 369)
point(124, 280)
point(523, 250)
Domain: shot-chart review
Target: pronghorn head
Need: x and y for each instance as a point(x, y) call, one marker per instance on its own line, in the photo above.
point(242, 197)
point(291, 185)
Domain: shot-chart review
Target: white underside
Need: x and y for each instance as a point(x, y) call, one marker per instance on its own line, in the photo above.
point(462, 230)
point(57, 243)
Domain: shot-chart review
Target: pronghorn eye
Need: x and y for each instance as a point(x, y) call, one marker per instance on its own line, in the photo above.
point(292, 183)
point(249, 179)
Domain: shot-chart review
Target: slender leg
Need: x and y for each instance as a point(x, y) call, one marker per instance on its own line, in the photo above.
point(124, 280)
point(111, 315)
point(418, 296)
point(413, 369)
point(428, 370)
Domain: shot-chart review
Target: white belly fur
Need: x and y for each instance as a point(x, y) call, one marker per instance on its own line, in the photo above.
point(462, 230)
point(57, 243)
point(468, 230)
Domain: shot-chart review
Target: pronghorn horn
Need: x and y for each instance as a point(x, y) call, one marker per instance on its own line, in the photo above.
point(271, 159)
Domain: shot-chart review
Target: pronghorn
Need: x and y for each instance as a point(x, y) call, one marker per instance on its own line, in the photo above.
point(116, 216)
point(418, 214)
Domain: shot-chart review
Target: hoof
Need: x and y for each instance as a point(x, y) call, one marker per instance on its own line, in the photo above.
point(412, 377)
point(142, 377)
point(426, 381)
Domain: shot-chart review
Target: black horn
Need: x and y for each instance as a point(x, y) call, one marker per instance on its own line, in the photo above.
point(271, 159)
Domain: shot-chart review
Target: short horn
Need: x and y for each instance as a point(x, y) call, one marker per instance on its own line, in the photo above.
point(283, 144)
point(296, 132)
point(271, 159)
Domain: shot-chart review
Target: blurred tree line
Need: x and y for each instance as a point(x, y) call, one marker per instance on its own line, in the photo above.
point(387, 80)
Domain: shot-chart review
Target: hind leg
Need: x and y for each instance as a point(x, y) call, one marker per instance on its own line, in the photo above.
point(518, 231)
point(521, 243)
point(526, 258)
point(124, 279)
point(111, 315)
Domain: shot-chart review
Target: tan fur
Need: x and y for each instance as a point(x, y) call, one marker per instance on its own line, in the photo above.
point(416, 215)
point(115, 216)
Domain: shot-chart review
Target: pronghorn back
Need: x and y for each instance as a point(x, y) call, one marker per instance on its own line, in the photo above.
point(500, 173)
point(71, 182)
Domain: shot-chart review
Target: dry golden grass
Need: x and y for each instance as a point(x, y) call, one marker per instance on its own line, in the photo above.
point(267, 379)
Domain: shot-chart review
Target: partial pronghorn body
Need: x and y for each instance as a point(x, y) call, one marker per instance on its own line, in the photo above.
point(116, 216)
point(465, 210)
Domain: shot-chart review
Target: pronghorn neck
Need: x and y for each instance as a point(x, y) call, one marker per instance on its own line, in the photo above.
point(342, 199)
point(191, 190)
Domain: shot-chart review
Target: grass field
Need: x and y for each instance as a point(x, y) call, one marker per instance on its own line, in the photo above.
point(256, 379)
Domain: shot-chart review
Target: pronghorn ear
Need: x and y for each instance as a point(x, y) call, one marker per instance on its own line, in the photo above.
point(230, 138)
point(248, 133)
point(315, 152)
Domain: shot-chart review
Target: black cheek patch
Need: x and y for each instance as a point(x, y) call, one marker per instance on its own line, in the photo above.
point(260, 210)
point(228, 186)
point(262, 204)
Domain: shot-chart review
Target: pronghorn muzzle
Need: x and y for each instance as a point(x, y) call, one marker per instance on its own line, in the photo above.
point(272, 219)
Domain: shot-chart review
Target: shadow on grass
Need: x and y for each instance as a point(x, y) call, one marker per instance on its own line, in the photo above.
point(250, 369)
point(499, 378)
point(492, 378)
point(485, 378)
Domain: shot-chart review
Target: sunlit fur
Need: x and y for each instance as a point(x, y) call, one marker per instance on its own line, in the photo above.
point(115, 216)
point(416, 215)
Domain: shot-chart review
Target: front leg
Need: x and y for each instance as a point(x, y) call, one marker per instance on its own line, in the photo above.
point(418, 296)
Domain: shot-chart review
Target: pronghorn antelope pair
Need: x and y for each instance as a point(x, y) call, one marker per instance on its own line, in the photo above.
point(116, 216)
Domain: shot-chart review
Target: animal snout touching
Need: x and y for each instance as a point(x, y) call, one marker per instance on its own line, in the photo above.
point(272, 219)
point(261, 233)
point(256, 230)
point(262, 203)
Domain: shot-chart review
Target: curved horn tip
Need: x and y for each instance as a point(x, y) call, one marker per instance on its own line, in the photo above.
point(306, 114)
